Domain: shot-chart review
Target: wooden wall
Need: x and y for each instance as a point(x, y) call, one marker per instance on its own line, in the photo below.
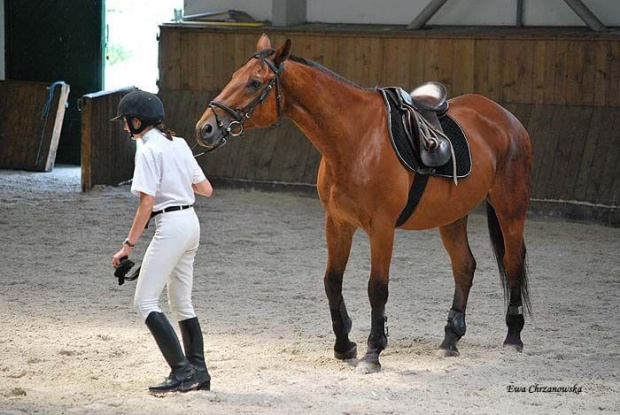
point(563, 84)
point(30, 126)
point(107, 152)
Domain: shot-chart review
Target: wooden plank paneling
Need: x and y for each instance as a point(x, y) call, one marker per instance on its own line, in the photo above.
point(265, 155)
point(538, 127)
point(544, 177)
point(603, 146)
point(613, 99)
point(561, 154)
point(417, 63)
point(517, 71)
point(170, 59)
point(31, 117)
point(609, 167)
point(107, 151)
point(577, 138)
point(488, 68)
point(375, 63)
point(588, 155)
point(396, 63)
point(430, 52)
point(561, 72)
point(463, 67)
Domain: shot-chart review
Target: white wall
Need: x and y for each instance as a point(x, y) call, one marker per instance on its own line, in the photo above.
point(460, 12)
point(258, 9)
point(454, 12)
point(2, 39)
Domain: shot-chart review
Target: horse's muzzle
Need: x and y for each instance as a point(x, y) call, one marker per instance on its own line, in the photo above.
point(208, 134)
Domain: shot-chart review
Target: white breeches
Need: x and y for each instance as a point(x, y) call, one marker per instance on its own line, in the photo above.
point(169, 261)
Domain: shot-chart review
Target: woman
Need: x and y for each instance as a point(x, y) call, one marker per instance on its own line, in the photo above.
point(166, 177)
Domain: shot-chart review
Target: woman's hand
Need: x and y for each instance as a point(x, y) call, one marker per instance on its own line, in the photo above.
point(124, 251)
point(139, 222)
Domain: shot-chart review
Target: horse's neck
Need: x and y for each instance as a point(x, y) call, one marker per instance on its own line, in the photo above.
point(332, 114)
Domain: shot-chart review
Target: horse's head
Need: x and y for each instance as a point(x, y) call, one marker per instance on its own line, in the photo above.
point(251, 98)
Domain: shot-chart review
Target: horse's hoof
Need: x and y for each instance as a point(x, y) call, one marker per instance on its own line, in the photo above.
point(447, 352)
point(514, 347)
point(365, 367)
point(349, 354)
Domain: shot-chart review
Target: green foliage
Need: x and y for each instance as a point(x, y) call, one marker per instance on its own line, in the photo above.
point(117, 53)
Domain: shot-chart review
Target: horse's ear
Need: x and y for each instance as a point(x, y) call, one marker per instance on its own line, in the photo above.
point(263, 43)
point(282, 53)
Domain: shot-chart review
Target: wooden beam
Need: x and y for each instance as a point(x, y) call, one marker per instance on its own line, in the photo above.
point(520, 13)
point(586, 15)
point(47, 163)
point(426, 14)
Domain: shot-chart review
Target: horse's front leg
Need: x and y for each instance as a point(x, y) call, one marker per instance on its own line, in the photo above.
point(339, 237)
point(381, 246)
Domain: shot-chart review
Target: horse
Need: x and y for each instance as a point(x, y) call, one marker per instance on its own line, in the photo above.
point(361, 184)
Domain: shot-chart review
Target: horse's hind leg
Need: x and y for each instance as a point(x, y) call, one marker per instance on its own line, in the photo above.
point(454, 237)
point(506, 229)
point(339, 237)
point(506, 210)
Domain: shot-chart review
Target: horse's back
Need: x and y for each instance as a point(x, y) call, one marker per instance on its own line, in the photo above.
point(484, 119)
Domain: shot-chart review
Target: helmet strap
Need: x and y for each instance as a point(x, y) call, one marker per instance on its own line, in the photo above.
point(143, 125)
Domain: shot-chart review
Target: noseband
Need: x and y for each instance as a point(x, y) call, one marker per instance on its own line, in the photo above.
point(236, 128)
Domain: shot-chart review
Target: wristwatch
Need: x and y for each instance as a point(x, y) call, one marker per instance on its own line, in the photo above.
point(129, 244)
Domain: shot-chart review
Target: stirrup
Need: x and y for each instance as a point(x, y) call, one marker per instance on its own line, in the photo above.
point(438, 148)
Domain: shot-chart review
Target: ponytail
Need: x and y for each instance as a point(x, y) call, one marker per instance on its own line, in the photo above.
point(167, 132)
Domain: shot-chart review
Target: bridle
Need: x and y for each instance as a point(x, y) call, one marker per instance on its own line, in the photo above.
point(236, 127)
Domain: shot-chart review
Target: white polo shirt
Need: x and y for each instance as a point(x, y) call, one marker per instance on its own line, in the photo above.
point(166, 170)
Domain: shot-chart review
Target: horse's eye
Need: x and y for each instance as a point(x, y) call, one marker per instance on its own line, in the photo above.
point(254, 84)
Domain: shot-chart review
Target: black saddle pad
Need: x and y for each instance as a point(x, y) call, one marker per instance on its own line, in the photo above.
point(408, 155)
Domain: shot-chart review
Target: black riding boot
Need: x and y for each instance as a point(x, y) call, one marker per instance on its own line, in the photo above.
point(194, 350)
point(182, 378)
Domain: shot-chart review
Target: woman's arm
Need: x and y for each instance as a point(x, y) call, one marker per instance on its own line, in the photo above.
point(203, 188)
point(140, 220)
point(143, 214)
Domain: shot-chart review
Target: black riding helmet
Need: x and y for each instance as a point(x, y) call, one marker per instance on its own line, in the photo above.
point(142, 105)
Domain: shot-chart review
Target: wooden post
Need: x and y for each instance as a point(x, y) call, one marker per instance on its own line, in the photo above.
point(56, 115)
point(87, 118)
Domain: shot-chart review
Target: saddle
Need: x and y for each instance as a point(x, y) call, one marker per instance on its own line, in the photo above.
point(425, 138)
point(421, 111)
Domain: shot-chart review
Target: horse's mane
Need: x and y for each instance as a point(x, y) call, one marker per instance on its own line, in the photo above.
point(323, 69)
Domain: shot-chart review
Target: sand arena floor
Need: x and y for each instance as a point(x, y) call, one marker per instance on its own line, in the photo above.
point(70, 341)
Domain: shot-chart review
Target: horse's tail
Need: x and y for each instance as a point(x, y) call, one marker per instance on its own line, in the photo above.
point(497, 241)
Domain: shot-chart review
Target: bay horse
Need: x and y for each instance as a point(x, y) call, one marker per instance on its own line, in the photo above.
point(361, 184)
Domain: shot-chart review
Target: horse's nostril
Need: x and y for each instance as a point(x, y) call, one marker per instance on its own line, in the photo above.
point(207, 131)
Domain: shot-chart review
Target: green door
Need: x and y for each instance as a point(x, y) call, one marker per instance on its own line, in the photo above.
point(60, 40)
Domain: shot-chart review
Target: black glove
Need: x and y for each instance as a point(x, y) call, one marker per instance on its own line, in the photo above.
point(122, 270)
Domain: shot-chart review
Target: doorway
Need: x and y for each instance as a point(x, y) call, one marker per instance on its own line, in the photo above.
point(132, 29)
